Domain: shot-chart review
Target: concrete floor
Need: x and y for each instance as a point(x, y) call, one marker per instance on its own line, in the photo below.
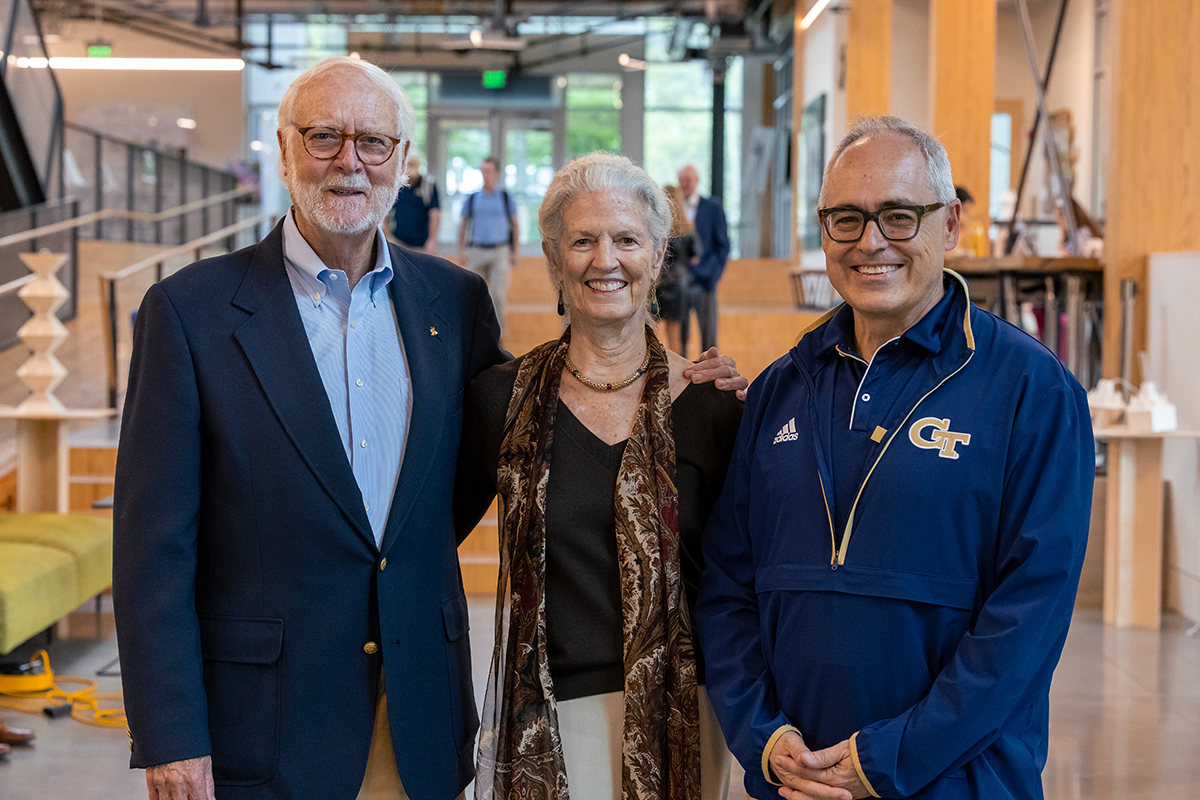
point(1125, 717)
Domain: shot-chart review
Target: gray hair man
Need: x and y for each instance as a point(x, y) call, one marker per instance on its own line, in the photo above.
point(891, 568)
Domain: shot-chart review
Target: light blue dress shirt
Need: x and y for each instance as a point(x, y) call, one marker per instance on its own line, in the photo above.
point(355, 340)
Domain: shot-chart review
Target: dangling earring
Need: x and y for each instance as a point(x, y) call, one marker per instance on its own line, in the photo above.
point(654, 303)
point(561, 308)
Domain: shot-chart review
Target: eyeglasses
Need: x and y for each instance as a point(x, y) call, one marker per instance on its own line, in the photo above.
point(897, 223)
point(373, 149)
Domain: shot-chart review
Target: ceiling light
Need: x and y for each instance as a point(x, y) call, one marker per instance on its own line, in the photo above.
point(159, 64)
point(630, 63)
point(812, 14)
point(186, 124)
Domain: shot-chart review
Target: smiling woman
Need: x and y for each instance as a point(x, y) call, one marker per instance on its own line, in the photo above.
point(639, 456)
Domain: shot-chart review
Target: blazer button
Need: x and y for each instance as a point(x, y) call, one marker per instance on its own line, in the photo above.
point(370, 648)
point(382, 564)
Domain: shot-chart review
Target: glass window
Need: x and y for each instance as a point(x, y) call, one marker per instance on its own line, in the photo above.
point(593, 114)
point(678, 128)
point(416, 86)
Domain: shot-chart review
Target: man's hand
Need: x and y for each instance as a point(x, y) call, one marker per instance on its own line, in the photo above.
point(191, 779)
point(514, 255)
point(431, 246)
point(719, 370)
point(827, 774)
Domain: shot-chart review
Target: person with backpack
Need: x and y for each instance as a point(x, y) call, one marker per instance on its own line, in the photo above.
point(491, 249)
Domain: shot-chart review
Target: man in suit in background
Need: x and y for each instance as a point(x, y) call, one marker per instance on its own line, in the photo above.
point(712, 233)
point(283, 538)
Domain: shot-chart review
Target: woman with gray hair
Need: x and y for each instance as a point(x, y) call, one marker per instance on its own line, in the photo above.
point(607, 462)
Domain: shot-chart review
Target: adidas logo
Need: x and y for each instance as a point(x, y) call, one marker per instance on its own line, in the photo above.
point(787, 433)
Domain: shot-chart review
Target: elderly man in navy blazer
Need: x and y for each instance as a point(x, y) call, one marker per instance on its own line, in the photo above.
point(712, 233)
point(286, 585)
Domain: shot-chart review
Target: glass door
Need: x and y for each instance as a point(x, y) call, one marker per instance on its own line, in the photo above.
point(528, 169)
point(528, 144)
point(458, 148)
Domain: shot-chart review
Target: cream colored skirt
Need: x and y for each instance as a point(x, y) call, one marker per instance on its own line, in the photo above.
point(590, 728)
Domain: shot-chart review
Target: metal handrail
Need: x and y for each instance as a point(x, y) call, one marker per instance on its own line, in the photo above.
point(110, 213)
point(13, 286)
point(108, 286)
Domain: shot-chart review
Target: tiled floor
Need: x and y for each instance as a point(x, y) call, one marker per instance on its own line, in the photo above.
point(1125, 718)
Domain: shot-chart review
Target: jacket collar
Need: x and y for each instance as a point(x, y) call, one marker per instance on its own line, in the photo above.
point(944, 330)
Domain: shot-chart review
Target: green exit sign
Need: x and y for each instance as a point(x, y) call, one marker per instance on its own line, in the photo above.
point(494, 78)
point(99, 51)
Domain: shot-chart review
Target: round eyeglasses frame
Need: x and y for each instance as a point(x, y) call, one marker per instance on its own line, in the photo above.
point(868, 216)
point(354, 137)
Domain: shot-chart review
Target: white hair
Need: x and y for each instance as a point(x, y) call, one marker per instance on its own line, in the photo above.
point(599, 172)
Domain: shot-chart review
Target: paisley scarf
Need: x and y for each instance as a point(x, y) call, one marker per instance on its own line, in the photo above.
point(520, 752)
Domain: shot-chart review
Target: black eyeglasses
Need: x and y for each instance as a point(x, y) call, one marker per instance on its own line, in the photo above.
point(325, 143)
point(846, 224)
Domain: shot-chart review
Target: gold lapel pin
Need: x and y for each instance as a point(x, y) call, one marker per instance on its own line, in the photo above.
point(432, 331)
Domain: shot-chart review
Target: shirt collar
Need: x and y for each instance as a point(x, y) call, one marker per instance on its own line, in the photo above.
point(312, 272)
point(926, 333)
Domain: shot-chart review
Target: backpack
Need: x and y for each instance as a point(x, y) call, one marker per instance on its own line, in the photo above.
point(469, 213)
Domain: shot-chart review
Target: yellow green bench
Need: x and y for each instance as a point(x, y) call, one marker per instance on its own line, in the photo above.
point(50, 564)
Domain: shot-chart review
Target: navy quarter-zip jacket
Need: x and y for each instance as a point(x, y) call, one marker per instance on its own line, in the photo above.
point(927, 628)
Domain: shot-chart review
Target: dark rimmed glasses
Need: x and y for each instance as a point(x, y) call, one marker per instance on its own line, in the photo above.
point(897, 223)
point(373, 149)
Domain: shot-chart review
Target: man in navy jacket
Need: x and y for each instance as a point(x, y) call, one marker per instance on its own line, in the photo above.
point(712, 234)
point(286, 583)
point(892, 565)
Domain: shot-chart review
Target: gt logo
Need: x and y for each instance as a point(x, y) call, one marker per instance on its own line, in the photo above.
point(941, 438)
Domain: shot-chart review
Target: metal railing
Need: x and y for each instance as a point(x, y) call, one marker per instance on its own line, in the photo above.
point(107, 172)
point(108, 289)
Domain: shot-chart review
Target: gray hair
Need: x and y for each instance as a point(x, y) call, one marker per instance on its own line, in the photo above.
point(406, 121)
point(599, 172)
point(938, 163)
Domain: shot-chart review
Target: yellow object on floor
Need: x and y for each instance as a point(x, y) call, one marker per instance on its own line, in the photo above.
point(39, 689)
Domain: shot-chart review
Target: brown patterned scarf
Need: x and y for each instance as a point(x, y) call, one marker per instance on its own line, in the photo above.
point(520, 752)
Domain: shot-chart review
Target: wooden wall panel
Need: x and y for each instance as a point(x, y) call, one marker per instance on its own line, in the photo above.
point(869, 58)
point(963, 68)
point(1154, 153)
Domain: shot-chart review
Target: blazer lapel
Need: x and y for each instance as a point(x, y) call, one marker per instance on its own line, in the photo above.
point(276, 345)
point(425, 333)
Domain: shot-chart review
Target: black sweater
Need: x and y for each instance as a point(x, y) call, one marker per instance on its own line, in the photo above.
point(583, 593)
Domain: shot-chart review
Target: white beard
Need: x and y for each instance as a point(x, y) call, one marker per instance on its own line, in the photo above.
point(322, 209)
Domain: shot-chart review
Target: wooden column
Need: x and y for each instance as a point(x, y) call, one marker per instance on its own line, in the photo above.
point(1153, 194)
point(963, 69)
point(869, 58)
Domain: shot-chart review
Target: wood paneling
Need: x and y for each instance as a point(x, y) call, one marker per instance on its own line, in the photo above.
point(1154, 153)
point(963, 68)
point(869, 58)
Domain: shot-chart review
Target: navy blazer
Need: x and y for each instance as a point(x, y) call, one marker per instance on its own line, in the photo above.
point(253, 608)
point(713, 233)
